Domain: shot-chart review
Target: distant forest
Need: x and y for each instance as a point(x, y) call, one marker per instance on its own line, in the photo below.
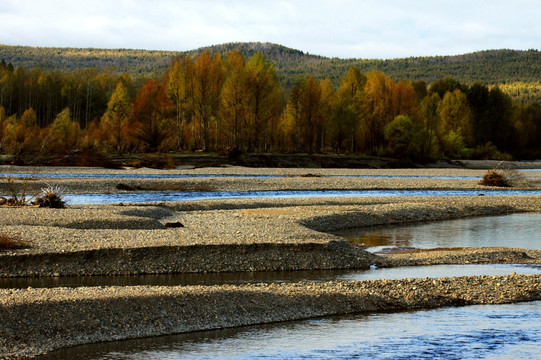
point(238, 98)
point(517, 72)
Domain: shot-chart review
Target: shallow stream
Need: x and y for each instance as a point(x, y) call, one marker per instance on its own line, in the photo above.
point(138, 197)
point(473, 332)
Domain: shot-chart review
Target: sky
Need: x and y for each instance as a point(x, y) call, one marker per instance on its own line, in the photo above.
point(381, 29)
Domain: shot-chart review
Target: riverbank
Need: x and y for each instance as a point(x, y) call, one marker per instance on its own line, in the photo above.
point(84, 315)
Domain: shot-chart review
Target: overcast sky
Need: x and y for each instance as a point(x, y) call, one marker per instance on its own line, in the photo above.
point(338, 28)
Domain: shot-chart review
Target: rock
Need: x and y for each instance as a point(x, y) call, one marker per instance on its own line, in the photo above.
point(174, 224)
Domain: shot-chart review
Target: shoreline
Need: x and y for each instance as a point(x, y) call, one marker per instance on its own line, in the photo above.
point(229, 235)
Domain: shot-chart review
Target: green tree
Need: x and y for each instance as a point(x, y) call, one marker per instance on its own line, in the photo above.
point(430, 120)
point(455, 115)
point(116, 120)
point(348, 110)
point(400, 136)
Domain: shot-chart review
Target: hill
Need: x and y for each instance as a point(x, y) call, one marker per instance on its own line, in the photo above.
point(487, 67)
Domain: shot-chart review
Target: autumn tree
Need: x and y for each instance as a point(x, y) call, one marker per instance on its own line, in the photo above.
point(180, 91)
point(291, 118)
point(264, 102)
point(151, 116)
point(405, 100)
point(378, 108)
point(234, 100)
point(327, 102)
point(304, 114)
point(209, 78)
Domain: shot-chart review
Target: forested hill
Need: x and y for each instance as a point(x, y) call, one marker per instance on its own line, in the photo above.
point(488, 67)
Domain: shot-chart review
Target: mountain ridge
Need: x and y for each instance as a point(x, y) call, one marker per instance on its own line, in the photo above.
point(498, 66)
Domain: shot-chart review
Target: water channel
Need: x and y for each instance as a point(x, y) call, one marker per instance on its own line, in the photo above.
point(272, 277)
point(169, 175)
point(138, 197)
point(475, 332)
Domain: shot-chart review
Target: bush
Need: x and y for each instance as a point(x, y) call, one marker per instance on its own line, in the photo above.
point(489, 151)
point(154, 162)
point(495, 178)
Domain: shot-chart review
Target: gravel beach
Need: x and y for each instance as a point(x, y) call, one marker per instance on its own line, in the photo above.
point(236, 235)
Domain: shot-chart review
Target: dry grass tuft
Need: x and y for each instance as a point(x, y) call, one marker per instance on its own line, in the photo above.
point(503, 176)
point(11, 242)
point(494, 178)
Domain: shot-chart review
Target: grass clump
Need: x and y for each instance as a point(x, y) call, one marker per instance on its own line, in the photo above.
point(20, 195)
point(11, 242)
point(51, 197)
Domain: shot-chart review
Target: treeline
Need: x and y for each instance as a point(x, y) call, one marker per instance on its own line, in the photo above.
point(487, 67)
point(215, 103)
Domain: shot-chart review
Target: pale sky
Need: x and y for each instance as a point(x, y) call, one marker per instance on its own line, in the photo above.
point(340, 28)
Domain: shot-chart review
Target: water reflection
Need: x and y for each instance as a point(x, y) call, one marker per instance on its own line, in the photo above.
point(516, 230)
point(474, 332)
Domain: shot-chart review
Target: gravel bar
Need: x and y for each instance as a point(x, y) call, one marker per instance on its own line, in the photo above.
point(236, 235)
point(85, 315)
